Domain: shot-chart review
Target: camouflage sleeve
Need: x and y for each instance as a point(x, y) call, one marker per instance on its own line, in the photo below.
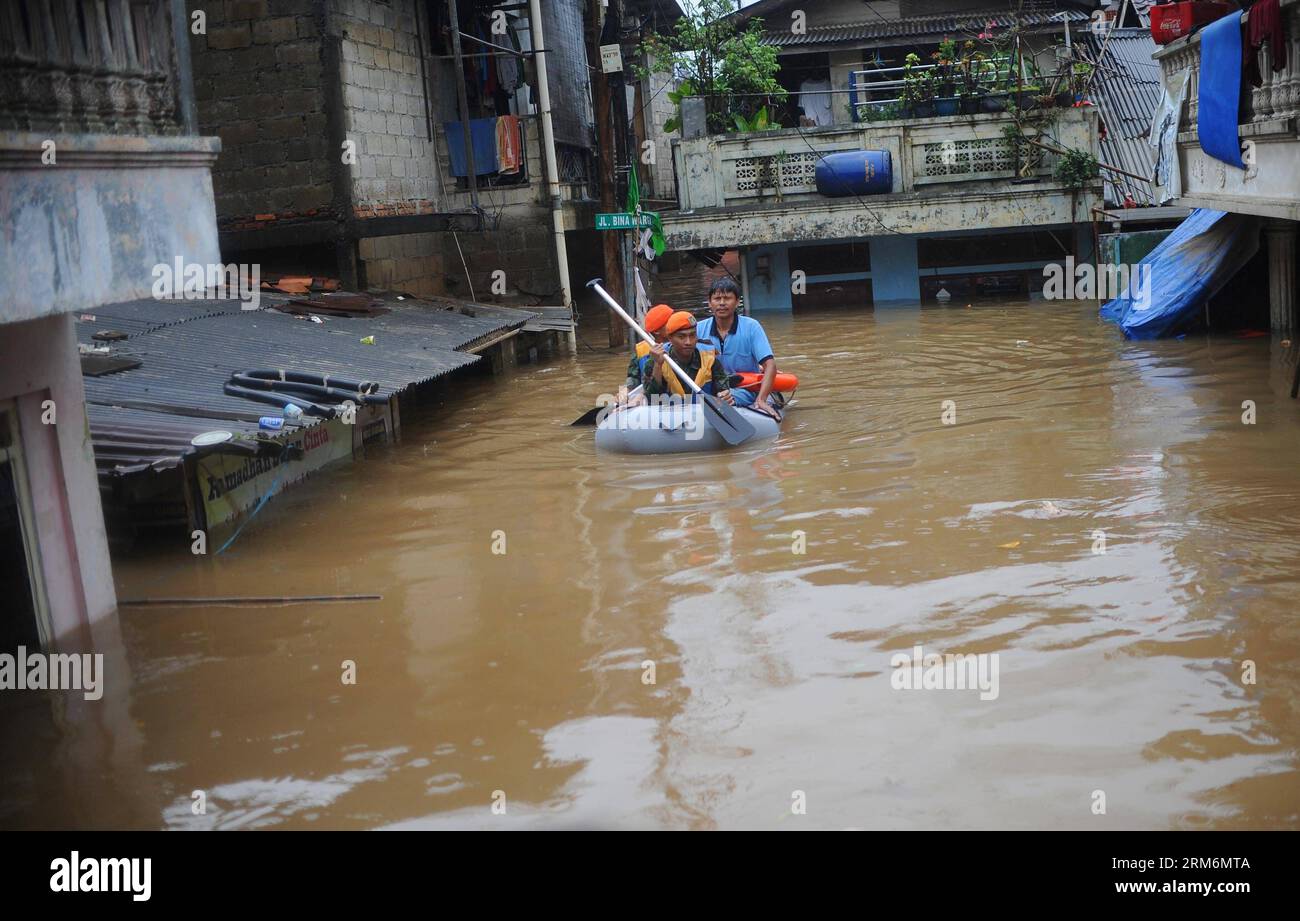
point(633, 373)
point(651, 386)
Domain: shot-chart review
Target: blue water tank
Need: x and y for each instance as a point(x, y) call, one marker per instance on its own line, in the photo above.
point(855, 172)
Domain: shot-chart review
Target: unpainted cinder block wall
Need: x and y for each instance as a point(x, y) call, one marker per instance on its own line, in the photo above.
point(388, 116)
point(259, 84)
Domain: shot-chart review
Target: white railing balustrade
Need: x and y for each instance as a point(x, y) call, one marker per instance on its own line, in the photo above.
point(780, 166)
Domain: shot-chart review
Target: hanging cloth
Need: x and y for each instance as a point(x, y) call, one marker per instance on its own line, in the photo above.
point(1220, 89)
point(508, 146)
point(1266, 25)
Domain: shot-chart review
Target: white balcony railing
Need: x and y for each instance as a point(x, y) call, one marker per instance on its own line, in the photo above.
point(926, 154)
point(1278, 97)
point(1268, 118)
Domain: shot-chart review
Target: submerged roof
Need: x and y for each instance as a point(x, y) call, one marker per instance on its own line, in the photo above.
point(1126, 90)
point(145, 417)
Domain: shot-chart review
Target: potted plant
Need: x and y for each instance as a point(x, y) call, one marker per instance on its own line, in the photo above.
point(947, 100)
point(917, 98)
point(1079, 80)
point(990, 80)
point(1027, 96)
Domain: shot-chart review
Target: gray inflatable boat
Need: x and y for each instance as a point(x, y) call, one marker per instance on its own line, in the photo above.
point(671, 429)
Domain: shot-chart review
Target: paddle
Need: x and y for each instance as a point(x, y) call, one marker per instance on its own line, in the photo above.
point(592, 416)
point(729, 423)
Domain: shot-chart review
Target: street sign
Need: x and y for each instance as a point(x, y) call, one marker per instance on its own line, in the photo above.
point(611, 59)
point(623, 220)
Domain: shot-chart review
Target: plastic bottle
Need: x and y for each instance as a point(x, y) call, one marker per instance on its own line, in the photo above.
point(292, 412)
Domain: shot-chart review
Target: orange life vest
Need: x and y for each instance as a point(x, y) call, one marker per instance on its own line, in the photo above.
point(702, 379)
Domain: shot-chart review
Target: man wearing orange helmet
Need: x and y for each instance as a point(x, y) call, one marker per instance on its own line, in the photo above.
point(638, 369)
point(701, 366)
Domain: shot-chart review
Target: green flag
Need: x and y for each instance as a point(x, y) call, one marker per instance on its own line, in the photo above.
point(633, 191)
point(634, 207)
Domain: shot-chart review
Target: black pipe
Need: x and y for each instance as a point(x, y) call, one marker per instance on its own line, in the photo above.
point(311, 377)
point(338, 394)
point(261, 396)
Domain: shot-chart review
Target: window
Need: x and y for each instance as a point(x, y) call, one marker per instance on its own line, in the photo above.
point(831, 258)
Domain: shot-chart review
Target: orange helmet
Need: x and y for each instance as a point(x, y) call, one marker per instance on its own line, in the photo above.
point(679, 321)
point(656, 317)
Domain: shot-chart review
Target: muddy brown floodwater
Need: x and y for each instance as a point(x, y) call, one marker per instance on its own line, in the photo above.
point(525, 672)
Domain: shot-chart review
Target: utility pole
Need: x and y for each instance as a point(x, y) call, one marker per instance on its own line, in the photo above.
point(552, 168)
point(626, 154)
point(611, 241)
point(454, 18)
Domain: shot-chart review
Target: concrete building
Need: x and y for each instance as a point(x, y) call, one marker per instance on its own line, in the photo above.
point(968, 212)
point(1269, 186)
point(102, 177)
point(343, 151)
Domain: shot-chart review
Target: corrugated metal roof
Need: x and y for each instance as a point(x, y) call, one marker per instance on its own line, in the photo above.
point(913, 27)
point(145, 417)
point(1126, 90)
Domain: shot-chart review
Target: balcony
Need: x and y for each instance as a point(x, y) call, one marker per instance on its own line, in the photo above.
point(949, 173)
point(1269, 116)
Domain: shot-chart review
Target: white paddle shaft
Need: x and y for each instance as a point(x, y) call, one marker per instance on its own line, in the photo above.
point(644, 335)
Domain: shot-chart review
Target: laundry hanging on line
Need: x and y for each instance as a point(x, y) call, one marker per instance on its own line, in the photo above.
point(483, 135)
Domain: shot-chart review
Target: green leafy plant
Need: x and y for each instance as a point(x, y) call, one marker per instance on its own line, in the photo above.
point(759, 121)
point(1076, 168)
point(947, 67)
point(917, 86)
point(714, 57)
point(879, 113)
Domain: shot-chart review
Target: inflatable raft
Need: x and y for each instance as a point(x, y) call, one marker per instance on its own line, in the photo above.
point(674, 428)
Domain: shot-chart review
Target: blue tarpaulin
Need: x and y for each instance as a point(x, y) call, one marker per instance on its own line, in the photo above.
point(1220, 90)
point(483, 134)
point(1172, 284)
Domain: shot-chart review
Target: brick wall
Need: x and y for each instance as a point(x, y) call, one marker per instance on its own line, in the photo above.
point(384, 102)
point(411, 262)
point(400, 171)
point(262, 86)
point(258, 85)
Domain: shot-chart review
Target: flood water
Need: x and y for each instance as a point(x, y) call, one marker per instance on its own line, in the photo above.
point(523, 675)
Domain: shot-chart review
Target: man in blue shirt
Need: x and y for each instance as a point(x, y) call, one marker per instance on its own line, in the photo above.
point(741, 344)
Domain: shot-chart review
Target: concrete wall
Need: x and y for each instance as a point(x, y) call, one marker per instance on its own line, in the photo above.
point(522, 245)
point(259, 81)
point(278, 79)
point(38, 362)
point(78, 234)
point(657, 111)
point(414, 263)
point(843, 64)
point(385, 108)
